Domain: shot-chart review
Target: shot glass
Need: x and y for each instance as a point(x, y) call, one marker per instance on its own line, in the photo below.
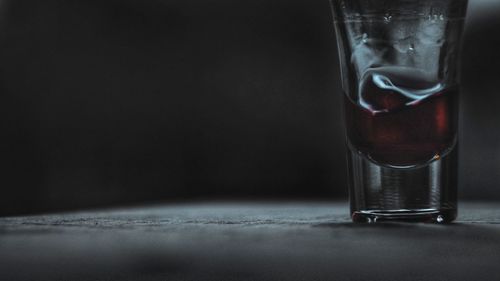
point(399, 66)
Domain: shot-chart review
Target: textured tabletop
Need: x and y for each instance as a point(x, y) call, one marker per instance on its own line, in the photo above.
point(247, 241)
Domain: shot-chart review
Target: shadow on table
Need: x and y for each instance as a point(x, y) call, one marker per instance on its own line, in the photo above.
point(466, 234)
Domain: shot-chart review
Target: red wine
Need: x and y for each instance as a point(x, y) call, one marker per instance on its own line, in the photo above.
point(401, 117)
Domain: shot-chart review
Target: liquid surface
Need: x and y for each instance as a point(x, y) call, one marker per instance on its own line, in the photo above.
point(401, 117)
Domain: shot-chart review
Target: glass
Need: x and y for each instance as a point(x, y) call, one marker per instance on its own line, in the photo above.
point(399, 65)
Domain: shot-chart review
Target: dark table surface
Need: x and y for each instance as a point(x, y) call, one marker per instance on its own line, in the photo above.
point(247, 241)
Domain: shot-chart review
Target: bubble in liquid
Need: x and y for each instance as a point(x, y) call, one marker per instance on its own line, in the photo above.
point(405, 45)
point(411, 48)
point(364, 39)
point(387, 18)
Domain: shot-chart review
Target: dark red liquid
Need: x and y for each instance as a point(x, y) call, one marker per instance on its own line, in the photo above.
point(391, 126)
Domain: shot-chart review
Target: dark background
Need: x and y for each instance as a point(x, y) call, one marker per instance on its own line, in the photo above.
point(124, 101)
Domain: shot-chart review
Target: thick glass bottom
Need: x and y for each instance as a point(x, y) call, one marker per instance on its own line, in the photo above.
point(423, 215)
point(425, 193)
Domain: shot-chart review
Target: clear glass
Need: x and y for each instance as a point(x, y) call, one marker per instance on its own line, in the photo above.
point(399, 62)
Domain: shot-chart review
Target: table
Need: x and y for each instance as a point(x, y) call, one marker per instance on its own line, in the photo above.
point(247, 241)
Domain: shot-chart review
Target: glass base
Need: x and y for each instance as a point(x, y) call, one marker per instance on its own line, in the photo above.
point(424, 215)
point(426, 193)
